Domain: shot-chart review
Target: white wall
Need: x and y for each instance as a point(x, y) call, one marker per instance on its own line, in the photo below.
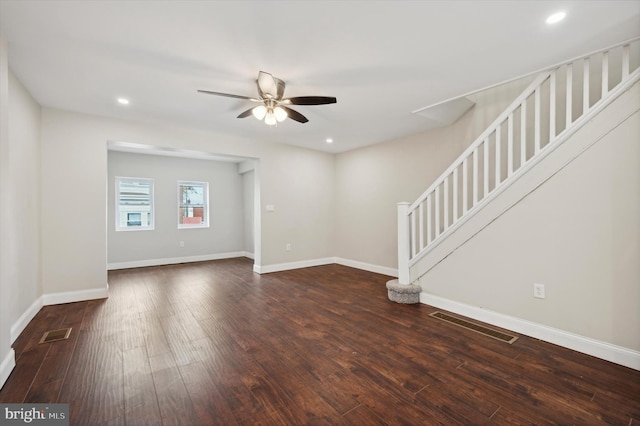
point(248, 184)
point(7, 359)
point(298, 182)
point(23, 218)
point(300, 186)
point(20, 280)
point(226, 212)
point(370, 181)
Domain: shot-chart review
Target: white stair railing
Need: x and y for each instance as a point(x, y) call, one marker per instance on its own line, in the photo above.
point(553, 107)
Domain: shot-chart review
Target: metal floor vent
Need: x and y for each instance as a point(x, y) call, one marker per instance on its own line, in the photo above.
point(54, 335)
point(495, 334)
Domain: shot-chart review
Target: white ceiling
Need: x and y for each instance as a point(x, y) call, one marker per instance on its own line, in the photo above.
point(381, 59)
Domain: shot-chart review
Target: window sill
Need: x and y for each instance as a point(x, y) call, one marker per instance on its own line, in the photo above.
point(145, 228)
point(188, 226)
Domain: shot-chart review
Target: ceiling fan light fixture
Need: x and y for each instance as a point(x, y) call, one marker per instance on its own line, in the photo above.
point(280, 114)
point(270, 118)
point(259, 112)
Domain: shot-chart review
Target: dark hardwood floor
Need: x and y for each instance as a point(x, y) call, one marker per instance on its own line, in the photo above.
point(213, 343)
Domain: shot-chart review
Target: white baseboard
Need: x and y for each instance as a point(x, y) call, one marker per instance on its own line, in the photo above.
point(607, 351)
point(293, 265)
point(326, 261)
point(248, 255)
point(7, 365)
point(174, 260)
point(384, 270)
point(75, 296)
point(26, 316)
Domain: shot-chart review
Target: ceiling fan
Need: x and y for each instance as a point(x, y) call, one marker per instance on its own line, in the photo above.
point(273, 106)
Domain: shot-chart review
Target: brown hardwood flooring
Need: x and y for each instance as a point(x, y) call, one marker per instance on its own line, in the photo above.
point(213, 343)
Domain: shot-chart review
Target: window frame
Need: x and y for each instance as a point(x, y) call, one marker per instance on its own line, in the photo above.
point(205, 205)
point(151, 225)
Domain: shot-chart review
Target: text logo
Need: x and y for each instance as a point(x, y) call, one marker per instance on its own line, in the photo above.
point(34, 414)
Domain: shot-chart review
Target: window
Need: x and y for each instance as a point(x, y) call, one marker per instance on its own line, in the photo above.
point(193, 204)
point(134, 219)
point(134, 204)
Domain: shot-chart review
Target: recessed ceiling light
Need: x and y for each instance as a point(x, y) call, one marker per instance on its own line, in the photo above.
point(556, 17)
point(123, 101)
point(329, 140)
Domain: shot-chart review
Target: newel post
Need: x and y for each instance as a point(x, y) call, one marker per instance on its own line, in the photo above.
point(403, 243)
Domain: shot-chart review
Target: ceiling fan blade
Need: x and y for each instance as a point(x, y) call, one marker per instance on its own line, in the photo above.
point(246, 113)
point(294, 115)
point(267, 86)
point(310, 100)
point(228, 95)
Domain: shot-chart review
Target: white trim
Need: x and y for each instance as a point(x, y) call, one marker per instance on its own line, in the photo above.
point(246, 166)
point(257, 216)
point(75, 296)
point(248, 255)
point(139, 148)
point(174, 260)
point(24, 319)
point(293, 265)
point(607, 351)
point(384, 270)
point(8, 363)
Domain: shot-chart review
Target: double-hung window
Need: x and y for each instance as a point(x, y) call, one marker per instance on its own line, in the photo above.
point(193, 204)
point(134, 204)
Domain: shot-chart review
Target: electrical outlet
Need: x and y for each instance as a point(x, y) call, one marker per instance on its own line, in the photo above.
point(181, 244)
point(538, 290)
point(288, 247)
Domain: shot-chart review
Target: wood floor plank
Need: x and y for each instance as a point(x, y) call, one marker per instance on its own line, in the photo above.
point(19, 382)
point(175, 405)
point(311, 368)
point(48, 382)
point(214, 343)
point(458, 406)
point(94, 387)
point(208, 400)
point(138, 383)
point(47, 319)
point(300, 387)
point(361, 415)
point(154, 337)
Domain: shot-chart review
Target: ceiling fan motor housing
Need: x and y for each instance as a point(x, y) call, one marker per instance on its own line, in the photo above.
point(279, 85)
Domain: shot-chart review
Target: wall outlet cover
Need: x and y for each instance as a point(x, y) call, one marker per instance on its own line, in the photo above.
point(538, 290)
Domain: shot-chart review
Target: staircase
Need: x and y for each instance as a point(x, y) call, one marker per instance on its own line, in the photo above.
point(549, 111)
